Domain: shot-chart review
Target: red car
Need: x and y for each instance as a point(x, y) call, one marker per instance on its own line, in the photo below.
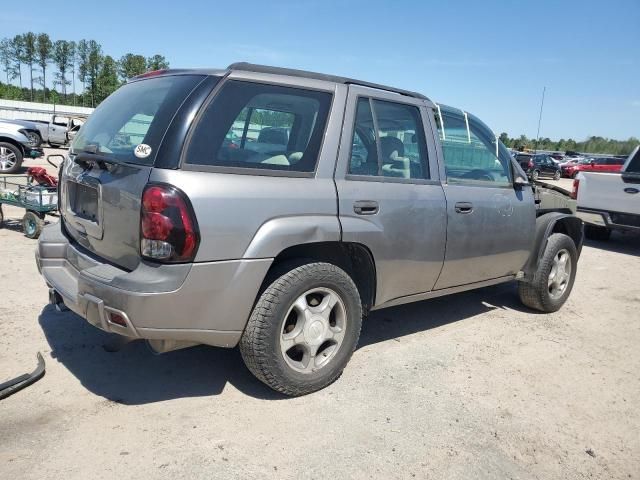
point(608, 164)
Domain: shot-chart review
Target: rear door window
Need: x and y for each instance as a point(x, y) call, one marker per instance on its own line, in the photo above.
point(137, 113)
point(260, 126)
point(388, 141)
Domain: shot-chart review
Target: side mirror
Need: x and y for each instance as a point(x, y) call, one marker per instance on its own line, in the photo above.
point(519, 183)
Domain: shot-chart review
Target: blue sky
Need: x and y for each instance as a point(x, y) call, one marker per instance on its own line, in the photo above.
point(489, 57)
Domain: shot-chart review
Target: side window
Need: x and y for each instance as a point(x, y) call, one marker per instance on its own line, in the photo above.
point(392, 145)
point(251, 125)
point(472, 153)
point(364, 151)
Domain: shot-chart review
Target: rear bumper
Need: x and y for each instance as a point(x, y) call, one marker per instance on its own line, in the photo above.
point(200, 303)
point(611, 220)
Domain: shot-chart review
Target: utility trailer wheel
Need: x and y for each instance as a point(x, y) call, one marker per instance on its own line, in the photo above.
point(553, 281)
point(32, 223)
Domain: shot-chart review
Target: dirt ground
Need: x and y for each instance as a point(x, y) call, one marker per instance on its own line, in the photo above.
point(471, 386)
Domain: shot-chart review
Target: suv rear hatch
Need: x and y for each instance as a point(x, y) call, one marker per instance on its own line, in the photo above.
point(110, 162)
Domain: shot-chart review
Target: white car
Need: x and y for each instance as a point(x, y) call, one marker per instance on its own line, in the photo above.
point(610, 201)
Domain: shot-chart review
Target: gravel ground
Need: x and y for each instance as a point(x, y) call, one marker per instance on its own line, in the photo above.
point(468, 386)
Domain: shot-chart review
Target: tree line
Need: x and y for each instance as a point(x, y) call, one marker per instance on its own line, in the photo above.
point(592, 144)
point(68, 61)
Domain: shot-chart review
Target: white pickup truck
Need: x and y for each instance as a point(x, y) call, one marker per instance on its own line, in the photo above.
point(609, 201)
point(60, 130)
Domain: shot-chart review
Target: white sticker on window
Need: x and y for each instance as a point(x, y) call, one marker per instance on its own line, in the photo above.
point(142, 151)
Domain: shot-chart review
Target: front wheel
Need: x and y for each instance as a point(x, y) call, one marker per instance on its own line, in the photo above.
point(10, 158)
point(552, 282)
point(303, 329)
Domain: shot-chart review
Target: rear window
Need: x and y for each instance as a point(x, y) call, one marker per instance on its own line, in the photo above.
point(259, 126)
point(138, 113)
point(634, 164)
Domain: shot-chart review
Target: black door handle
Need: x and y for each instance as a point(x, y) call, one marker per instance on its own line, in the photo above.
point(464, 207)
point(366, 207)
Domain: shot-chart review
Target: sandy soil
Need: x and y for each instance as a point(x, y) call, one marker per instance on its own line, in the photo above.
point(471, 386)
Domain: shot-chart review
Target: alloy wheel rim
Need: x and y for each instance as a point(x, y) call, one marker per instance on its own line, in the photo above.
point(560, 274)
point(313, 330)
point(7, 158)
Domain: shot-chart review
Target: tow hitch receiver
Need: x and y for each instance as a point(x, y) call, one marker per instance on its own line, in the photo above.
point(16, 384)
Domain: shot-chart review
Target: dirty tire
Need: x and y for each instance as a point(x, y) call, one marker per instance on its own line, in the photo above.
point(535, 175)
point(13, 165)
point(593, 232)
point(260, 342)
point(556, 176)
point(535, 294)
point(32, 224)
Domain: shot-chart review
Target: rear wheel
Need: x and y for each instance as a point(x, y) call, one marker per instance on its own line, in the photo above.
point(32, 224)
point(556, 176)
point(303, 329)
point(553, 281)
point(535, 174)
point(1, 216)
point(10, 158)
point(594, 232)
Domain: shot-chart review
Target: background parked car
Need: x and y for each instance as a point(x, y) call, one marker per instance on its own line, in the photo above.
point(59, 131)
point(609, 201)
point(557, 157)
point(18, 139)
point(605, 164)
point(538, 165)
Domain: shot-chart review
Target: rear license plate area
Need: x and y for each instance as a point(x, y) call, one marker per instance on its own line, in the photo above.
point(83, 201)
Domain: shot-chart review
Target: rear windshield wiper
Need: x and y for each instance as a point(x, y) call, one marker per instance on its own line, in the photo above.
point(89, 157)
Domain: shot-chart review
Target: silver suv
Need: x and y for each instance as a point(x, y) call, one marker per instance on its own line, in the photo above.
point(274, 208)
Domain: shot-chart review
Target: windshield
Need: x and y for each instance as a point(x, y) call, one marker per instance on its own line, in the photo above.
point(130, 124)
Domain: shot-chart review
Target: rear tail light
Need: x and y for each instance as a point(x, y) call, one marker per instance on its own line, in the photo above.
point(574, 190)
point(530, 163)
point(168, 228)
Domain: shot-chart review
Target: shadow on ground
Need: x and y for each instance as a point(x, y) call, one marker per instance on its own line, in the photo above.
point(133, 375)
point(626, 243)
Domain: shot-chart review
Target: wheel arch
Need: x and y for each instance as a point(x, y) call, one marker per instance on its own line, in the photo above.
point(546, 225)
point(354, 258)
point(14, 142)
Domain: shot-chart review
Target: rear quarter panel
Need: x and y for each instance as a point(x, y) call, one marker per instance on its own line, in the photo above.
point(251, 216)
point(258, 215)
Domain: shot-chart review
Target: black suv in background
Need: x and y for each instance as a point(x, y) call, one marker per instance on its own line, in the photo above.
point(539, 165)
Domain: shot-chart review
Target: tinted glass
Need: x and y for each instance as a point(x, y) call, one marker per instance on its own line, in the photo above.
point(251, 125)
point(138, 112)
point(401, 138)
point(634, 164)
point(396, 138)
point(472, 154)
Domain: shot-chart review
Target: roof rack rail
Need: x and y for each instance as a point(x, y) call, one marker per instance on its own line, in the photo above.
point(251, 67)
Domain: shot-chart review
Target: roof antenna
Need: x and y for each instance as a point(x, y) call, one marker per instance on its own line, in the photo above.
point(540, 119)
